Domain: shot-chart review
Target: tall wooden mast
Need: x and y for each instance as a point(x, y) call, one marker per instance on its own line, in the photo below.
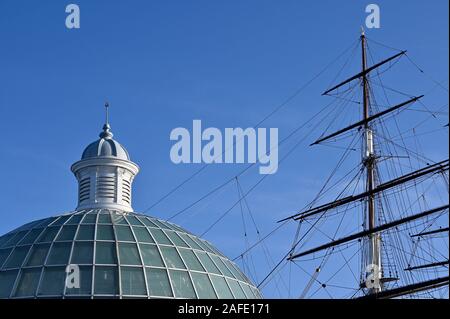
point(374, 283)
point(373, 257)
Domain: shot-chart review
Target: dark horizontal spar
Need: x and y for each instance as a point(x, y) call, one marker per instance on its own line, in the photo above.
point(438, 167)
point(409, 289)
point(431, 232)
point(369, 119)
point(365, 72)
point(431, 265)
point(370, 231)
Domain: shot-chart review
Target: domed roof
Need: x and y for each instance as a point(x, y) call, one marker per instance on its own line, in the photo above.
point(119, 255)
point(106, 146)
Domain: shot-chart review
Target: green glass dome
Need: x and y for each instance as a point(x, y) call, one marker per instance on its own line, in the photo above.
point(118, 255)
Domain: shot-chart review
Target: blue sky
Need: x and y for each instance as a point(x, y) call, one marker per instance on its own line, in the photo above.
point(162, 64)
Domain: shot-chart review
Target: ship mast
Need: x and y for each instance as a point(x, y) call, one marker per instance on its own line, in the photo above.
point(374, 257)
point(371, 235)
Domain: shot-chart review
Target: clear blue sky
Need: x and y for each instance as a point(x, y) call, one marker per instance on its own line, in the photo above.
point(162, 64)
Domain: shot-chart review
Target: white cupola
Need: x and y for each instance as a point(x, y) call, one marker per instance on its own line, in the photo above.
point(105, 174)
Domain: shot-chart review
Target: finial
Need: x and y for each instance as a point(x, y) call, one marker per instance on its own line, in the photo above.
point(363, 33)
point(107, 113)
point(106, 128)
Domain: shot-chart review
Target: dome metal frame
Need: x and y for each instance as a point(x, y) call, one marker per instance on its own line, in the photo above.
point(187, 266)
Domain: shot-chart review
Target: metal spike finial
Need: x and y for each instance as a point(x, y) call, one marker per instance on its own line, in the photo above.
point(363, 32)
point(106, 127)
point(107, 113)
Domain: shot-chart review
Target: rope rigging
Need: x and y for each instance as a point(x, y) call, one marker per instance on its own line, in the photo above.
point(398, 151)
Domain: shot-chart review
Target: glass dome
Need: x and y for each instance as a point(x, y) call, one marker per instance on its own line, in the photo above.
point(119, 255)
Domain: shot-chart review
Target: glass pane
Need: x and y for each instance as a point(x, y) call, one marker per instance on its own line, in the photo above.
point(48, 235)
point(171, 257)
point(202, 244)
point(59, 254)
point(124, 233)
point(176, 239)
point(4, 253)
point(172, 226)
point(142, 235)
point(150, 255)
point(133, 220)
point(236, 288)
point(203, 286)
point(105, 253)
point(248, 291)
point(31, 236)
point(30, 225)
point(190, 259)
point(222, 288)
point(105, 232)
point(214, 249)
point(85, 282)
point(191, 243)
point(27, 226)
point(104, 219)
point(28, 282)
point(61, 220)
point(45, 222)
point(207, 262)
point(128, 254)
point(67, 233)
point(182, 285)
point(7, 279)
point(133, 282)
point(83, 252)
point(221, 265)
point(37, 255)
point(86, 232)
point(256, 293)
point(89, 219)
point(17, 257)
point(159, 236)
point(119, 219)
point(53, 281)
point(236, 272)
point(158, 282)
point(181, 230)
point(75, 220)
point(160, 224)
point(147, 222)
point(4, 239)
point(106, 281)
point(16, 238)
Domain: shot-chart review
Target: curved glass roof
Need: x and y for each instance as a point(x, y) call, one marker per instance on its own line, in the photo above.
point(117, 255)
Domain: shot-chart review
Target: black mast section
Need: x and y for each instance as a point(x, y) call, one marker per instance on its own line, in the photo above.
point(369, 161)
point(364, 72)
point(365, 121)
